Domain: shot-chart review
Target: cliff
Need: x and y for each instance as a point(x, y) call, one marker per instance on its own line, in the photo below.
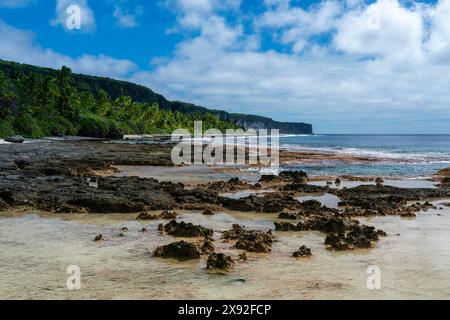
point(115, 88)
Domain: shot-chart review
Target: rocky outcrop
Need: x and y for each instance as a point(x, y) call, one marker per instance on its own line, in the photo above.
point(250, 240)
point(302, 252)
point(187, 230)
point(219, 261)
point(178, 250)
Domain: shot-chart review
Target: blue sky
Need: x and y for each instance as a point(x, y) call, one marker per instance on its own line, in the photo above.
point(350, 66)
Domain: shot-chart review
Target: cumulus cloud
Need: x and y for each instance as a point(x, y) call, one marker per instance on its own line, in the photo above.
point(369, 72)
point(87, 15)
point(344, 66)
point(18, 45)
point(127, 19)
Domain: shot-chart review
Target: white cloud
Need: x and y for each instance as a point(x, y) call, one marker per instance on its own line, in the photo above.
point(294, 25)
point(331, 64)
point(88, 24)
point(363, 77)
point(438, 45)
point(18, 45)
point(384, 30)
point(127, 19)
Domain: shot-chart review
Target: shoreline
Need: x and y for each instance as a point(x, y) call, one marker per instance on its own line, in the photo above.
point(65, 190)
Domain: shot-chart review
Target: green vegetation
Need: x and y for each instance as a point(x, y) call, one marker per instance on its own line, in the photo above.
point(56, 103)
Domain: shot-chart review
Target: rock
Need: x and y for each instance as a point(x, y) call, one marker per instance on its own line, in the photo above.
point(295, 176)
point(250, 240)
point(338, 181)
point(219, 261)
point(304, 188)
point(98, 238)
point(270, 179)
point(207, 246)
point(168, 215)
point(243, 257)
point(208, 212)
point(387, 200)
point(288, 215)
point(21, 163)
point(302, 252)
point(188, 230)
point(124, 229)
point(3, 205)
point(178, 250)
point(336, 242)
point(447, 204)
point(311, 206)
point(144, 230)
point(146, 216)
point(15, 139)
point(269, 203)
point(357, 237)
point(285, 226)
point(327, 224)
point(408, 215)
point(379, 181)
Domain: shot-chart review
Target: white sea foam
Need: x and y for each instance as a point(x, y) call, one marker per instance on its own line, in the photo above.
point(428, 157)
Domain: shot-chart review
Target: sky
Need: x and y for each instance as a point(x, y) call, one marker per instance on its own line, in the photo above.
point(350, 66)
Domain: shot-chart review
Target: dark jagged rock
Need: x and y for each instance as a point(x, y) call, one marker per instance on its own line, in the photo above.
point(250, 240)
point(302, 252)
point(168, 215)
point(300, 177)
point(144, 230)
point(357, 237)
point(208, 212)
point(243, 257)
point(387, 200)
point(98, 238)
point(285, 226)
point(233, 184)
point(270, 203)
point(304, 188)
point(15, 139)
point(288, 215)
point(337, 181)
point(270, 179)
point(219, 261)
point(189, 230)
point(67, 167)
point(147, 216)
point(178, 250)
point(327, 224)
point(207, 246)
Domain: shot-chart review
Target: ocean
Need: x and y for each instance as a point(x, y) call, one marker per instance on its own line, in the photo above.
point(414, 156)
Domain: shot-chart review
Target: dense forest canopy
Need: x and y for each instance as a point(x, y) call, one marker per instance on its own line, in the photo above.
point(116, 88)
point(53, 103)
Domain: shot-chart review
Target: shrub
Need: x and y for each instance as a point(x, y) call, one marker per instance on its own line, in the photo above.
point(98, 127)
point(28, 126)
point(6, 128)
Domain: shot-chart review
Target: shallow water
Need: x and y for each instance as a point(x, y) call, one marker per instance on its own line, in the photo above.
point(198, 174)
point(37, 249)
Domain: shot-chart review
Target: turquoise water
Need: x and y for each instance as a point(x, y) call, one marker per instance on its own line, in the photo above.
point(397, 155)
